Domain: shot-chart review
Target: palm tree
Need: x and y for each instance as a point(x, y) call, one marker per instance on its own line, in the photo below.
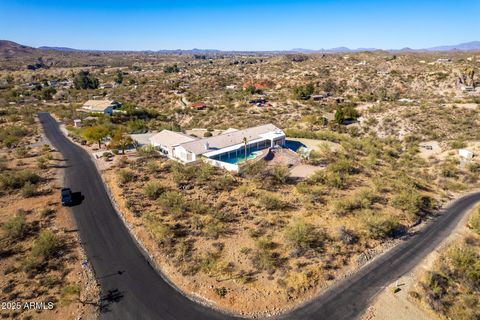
point(245, 142)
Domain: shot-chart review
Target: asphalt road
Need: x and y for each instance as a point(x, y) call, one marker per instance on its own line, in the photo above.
point(132, 289)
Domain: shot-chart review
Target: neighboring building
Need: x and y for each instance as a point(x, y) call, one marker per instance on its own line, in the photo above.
point(100, 106)
point(199, 106)
point(224, 150)
point(166, 141)
point(256, 85)
point(77, 123)
point(465, 153)
point(444, 60)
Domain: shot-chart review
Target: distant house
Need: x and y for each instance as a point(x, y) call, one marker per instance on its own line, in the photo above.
point(318, 97)
point(166, 141)
point(100, 106)
point(199, 106)
point(107, 86)
point(444, 60)
point(329, 116)
point(465, 153)
point(260, 102)
point(256, 85)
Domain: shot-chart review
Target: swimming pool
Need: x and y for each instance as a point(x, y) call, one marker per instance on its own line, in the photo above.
point(236, 157)
point(294, 145)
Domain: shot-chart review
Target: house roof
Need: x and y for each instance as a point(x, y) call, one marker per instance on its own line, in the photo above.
point(198, 105)
point(170, 138)
point(228, 139)
point(98, 105)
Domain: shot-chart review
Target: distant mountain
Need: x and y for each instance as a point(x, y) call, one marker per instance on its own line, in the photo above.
point(467, 46)
point(65, 49)
point(10, 48)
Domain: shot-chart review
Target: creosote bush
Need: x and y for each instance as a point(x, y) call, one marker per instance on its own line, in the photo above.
point(16, 227)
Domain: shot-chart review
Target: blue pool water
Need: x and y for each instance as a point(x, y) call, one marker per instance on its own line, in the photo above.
point(236, 158)
point(294, 145)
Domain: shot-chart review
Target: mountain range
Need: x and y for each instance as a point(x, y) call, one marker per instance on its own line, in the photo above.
point(10, 48)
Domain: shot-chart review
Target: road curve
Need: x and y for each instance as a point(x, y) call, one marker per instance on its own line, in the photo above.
point(132, 289)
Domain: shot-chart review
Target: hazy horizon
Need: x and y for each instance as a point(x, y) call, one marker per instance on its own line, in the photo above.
point(238, 26)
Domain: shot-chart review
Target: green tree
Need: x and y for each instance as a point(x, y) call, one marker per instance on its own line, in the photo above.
point(95, 133)
point(119, 77)
point(47, 93)
point(171, 68)
point(121, 139)
point(303, 92)
point(83, 80)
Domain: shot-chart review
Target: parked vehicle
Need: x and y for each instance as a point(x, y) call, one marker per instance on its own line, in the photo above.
point(66, 197)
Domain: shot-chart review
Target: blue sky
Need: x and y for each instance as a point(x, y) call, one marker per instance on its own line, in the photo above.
point(239, 25)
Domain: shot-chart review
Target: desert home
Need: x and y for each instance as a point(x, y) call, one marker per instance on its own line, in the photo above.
point(100, 106)
point(225, 150)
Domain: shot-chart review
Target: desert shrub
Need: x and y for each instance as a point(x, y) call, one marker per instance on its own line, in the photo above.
point(211, 263)
point(452, 287)
point(271, 201)
point(382, 226)
point(473, 167)
point(458, 144)
point(221, 292)
point(408, 200)
point(45, 212)
point(161, 232)
point(199, 206)
point(16, 227)
point(42, 163)
point(153, 166)
point(153, 189)
point(183, 174)
point(347, 236)
point(147, 152)
point(172, 202)
point(10, 136)
point(254, 170)
point(214, 228)
point(449, 170)
point(46, 245)
point(301, 235)
point(205, 171)
point(474, 221)
point(21, 151)
point(362, 200)
point(299, 282)
point(318, 135)
point(222, 183)
point(17, 179)
point(264, 258)
point(125, 176)
point(28, 190)
point(464, 265)
point(280, 174)
point(70, 293)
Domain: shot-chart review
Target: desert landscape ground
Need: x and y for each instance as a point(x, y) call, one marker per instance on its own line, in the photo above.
point(387, 138)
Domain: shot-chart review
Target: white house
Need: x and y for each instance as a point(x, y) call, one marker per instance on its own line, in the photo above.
point(225, 150)
point(166, 141)
point(100, 106)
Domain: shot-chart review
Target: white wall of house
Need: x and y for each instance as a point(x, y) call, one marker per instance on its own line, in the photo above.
point(223, 165)
point(183, 155)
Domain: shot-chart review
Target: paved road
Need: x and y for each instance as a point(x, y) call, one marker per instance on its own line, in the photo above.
point(132, 289)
